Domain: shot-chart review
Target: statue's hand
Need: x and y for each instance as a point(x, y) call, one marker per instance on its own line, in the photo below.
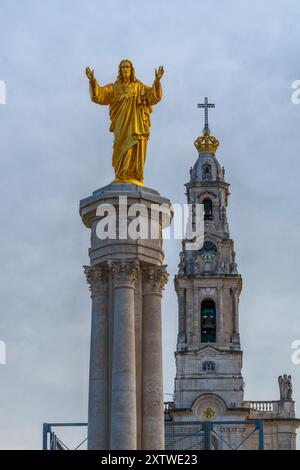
point(159, 73)
point(90, 74)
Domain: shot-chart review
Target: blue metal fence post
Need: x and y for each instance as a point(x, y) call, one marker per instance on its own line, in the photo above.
point(45, 436)
point(207, 434)
point(260, 427)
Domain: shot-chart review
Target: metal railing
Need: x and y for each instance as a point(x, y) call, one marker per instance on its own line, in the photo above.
point(181, 435)
point(52, 442)
point(214, 435)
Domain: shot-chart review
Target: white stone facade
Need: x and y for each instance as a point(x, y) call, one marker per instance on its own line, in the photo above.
point(209, 384)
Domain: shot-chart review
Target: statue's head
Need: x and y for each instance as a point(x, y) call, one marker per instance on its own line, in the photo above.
point(126, 71)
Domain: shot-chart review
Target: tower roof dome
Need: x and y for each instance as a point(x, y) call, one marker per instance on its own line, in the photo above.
point(207, 166)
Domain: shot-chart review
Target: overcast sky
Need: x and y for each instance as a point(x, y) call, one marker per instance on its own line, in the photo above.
point(56, 150)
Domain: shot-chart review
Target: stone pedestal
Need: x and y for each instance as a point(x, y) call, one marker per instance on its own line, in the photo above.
point(126, 278)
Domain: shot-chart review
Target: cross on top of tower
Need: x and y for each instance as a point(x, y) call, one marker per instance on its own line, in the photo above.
point(206, 105)
point(206, 143)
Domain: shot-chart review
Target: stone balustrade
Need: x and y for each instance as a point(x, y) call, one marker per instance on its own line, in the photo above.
point(264, 406)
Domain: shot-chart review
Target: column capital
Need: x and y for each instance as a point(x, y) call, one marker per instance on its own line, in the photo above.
point(154, 278)
point(125, 272)
point(97, 278)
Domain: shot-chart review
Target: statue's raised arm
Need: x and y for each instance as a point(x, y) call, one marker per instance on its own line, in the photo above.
point(159, 73)
point(90, 75)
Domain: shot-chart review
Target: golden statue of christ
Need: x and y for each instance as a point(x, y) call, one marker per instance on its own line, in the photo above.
point(130, 105)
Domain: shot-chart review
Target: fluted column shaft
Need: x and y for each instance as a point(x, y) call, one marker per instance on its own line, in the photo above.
point(98, 380)
point(235, 310)
point(220, 314)
point(123, 426)
point(154, 279)
point(181, 316)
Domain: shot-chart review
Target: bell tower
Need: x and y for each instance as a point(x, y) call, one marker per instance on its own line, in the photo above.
point(208, 286)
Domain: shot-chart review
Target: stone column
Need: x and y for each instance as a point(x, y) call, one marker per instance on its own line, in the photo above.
point(123, 425)
point(235, 336)
point(181, 338)
point(220, 314)
point(233, 291)
point(189, 315)
point(120, 407)
point(154, 279)
point(98, 381)
point(196, 320)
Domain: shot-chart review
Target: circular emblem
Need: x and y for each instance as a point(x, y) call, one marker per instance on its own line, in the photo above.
point(209, 413)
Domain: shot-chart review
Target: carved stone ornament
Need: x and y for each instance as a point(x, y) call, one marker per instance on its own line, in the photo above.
point(155, 277)
point(182, 265)
point(97, 278)
point(124, 271)
point(209, 413)
point(208, 290)
point(285, 387)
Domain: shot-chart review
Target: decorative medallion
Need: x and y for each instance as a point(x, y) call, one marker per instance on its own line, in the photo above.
point(209, 413)
point(208, 290)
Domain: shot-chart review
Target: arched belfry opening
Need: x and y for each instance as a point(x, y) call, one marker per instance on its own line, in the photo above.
point(208, 321)
point(208, 211)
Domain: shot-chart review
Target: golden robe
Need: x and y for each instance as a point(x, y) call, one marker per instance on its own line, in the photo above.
point(130, 106)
